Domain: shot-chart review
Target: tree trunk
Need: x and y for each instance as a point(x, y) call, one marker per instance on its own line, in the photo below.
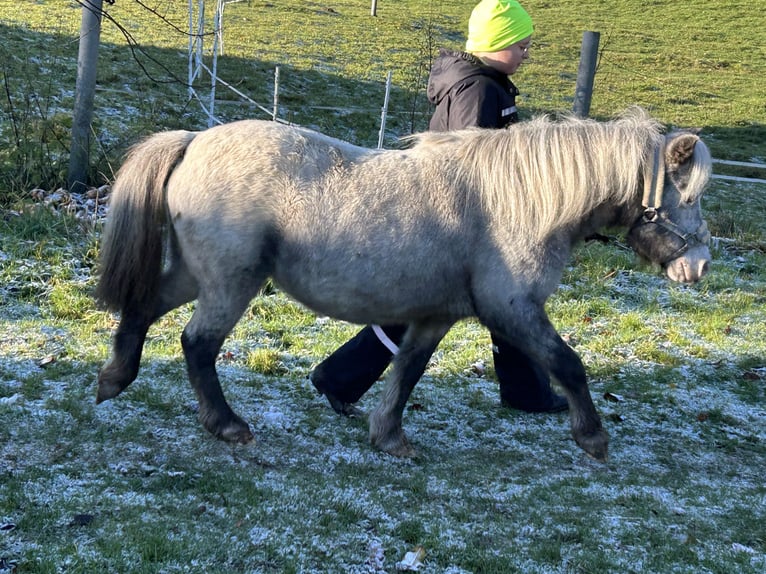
point(87, 63)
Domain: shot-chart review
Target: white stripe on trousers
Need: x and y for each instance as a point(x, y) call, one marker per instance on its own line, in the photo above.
point(385, 339)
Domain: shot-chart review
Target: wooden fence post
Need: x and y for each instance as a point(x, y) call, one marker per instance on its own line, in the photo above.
point(585, 73)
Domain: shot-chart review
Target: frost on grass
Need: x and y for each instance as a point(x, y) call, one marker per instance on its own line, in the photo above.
point(312, 493)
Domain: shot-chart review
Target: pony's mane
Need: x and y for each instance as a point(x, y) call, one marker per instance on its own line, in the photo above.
point(542, 173)
point(699, 174)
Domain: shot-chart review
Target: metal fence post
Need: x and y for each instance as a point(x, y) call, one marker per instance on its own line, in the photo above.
point(275, 108)
point(384, 112)
point(585, 73)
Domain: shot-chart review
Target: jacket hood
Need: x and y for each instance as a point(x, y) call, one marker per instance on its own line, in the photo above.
point(451, 67)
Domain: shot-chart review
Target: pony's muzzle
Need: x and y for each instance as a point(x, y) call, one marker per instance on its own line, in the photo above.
point(684, 256)
point(691, 266)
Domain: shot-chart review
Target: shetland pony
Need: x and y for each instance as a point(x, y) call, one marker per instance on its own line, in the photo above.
point(473, 223)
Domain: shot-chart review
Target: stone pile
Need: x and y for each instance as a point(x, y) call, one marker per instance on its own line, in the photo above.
point(88, 206)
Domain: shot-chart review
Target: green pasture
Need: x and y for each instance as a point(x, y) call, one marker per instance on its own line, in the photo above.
point(135, 485)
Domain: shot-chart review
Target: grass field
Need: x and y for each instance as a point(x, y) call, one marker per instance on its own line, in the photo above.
point(136, 484)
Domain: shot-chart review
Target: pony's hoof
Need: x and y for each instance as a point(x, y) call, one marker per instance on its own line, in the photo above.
point(109, 387)
point(403, 451)
point(235, 431)
point(106, 392)
point(231, 429)
point(398, 446)
point(595, 444)
point(237, 435)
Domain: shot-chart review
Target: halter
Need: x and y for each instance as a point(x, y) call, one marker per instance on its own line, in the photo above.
point(654, 185)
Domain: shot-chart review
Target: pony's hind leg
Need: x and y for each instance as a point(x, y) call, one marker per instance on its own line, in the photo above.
point(410, 362)
point(177, 287)
point(122, 368)
point(215, 316)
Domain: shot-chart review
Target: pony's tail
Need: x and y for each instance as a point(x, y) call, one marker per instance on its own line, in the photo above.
point(132, 245)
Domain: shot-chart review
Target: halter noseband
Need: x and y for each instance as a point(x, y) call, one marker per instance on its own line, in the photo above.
point(654, 185)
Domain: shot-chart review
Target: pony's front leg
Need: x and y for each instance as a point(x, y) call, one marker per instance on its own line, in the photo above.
point(533, 333)
point(410, 362)
point(568, 370)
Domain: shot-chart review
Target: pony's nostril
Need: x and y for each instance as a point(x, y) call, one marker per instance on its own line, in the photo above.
point(704, 268)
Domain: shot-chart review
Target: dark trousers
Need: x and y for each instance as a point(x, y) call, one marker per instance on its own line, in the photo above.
point(354, 367)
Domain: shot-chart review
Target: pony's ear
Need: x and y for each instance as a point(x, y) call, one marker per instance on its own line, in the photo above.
point(681, 148)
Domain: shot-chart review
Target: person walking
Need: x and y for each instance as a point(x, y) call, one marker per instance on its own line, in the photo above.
point(469, 88)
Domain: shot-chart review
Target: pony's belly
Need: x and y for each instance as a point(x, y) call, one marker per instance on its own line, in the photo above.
point(377, 298)
point(375, 270)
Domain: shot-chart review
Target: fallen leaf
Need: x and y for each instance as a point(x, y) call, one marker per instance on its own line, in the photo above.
point(412, 560)
point(479, 368)
point(44, 362)
point(613, 398)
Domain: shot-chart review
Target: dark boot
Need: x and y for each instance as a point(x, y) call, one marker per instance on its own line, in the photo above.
point(523, 383)
point(353, 368)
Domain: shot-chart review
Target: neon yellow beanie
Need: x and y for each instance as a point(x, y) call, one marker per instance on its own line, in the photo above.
point(496, 24)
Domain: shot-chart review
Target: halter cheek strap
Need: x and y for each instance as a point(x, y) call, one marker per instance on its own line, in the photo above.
point(654, 179)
